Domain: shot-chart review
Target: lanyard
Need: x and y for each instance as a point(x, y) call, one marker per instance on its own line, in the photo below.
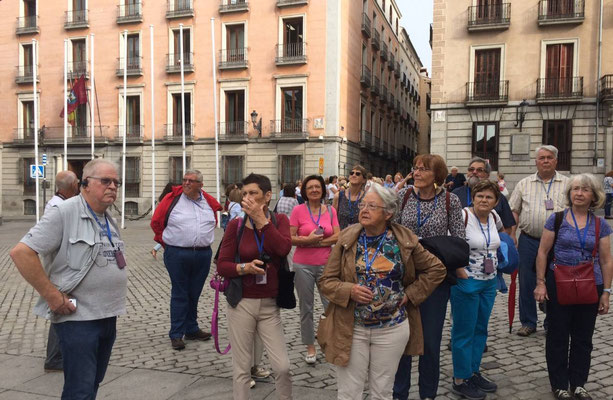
point(108, 229)
point(549, 187)
point(468, 199)
point(259, 242)
point(351, 203)
point(487, 238)
point(311, 214)
point(370, 262)
point(421, 223)
point(587, 227)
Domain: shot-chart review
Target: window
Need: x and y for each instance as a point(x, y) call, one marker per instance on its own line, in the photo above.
point(132, 177)
point(175, 170)
point(293, 37)
point(291, 110)
point(28, 59)
point(235, 43)
point(487, 73)
point(133, 43)
point(133, 122)
point(489, 10)
point(177, 115)
point(77, 65)
point(235, 113)
point(29, 207)
point(290, 168)
point(485, 142)
point(29, 184)
point(232, 169)
point(559, 69)
point(27, 119)
point(131, 207)
point(558, 133)
point(560, 7)
point(29, 8)
point(175, 56)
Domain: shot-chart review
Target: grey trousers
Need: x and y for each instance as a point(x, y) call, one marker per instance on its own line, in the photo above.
point(54, 355)
point(305, 281)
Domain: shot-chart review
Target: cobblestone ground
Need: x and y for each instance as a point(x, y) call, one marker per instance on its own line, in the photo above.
point(516, 364)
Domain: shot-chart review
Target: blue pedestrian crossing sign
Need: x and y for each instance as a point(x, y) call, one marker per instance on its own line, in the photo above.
point(41, 171)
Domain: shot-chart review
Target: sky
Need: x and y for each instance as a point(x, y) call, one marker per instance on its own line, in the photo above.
point(416, 19)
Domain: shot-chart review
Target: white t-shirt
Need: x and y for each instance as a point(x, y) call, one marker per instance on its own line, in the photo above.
point(477, 236)
point(330, 192)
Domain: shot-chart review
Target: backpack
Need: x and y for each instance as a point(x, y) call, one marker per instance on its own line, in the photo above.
point(225, 218)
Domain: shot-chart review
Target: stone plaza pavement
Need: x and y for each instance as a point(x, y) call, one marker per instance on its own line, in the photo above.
point(143, 365)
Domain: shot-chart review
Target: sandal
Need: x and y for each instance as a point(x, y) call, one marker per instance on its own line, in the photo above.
point(310, 358)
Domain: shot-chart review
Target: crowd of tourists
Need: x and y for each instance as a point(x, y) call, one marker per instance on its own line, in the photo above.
point(386, 256)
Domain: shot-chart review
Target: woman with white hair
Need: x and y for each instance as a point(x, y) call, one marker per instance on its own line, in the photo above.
point(376, 277)
point(580, 242)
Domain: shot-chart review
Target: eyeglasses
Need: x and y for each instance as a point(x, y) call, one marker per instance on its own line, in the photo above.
point(479, 170)
point(420, 169)
point(369, 206)
point(106, 181)
point(356, 173)
point(190, 181)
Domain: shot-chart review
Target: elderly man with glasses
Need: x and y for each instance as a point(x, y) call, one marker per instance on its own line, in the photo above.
point(184, 223)
point(83, 282)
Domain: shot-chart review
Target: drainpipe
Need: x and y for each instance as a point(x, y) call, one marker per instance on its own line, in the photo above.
point(598, 85)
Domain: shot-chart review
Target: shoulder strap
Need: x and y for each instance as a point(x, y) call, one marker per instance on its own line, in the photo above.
point(556, 226)
point(406, 197)
point(597, 238)
point(330, 213)
point(172, 205)
point(465, 217)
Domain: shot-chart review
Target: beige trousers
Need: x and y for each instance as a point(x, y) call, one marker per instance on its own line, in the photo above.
point(263, 316)
point(376, 352)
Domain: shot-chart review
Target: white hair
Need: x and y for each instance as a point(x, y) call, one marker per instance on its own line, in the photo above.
point(194, 172)
point(388, 197)
point(549, 148)
point(91, 167)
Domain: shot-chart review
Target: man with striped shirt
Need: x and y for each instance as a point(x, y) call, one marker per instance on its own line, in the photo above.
point(533, 200)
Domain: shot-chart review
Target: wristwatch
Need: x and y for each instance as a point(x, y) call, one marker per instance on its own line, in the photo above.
point(242, 269)
point(609, 290)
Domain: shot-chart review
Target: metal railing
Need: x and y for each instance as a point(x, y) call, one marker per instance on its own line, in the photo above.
point(77, 68)
point(129, 12)
point(397, 69)
point(390, 101)
point(76, 19)
point(233, 6)
point(233, 129)
point(559, 10)
point(289, 127)
point(174, 62)
point(559, 88)
point(134, 67)
point(291, 53)
point(366, 28)
point(27, 24)
point(489, 14)
point(25, 74)
point(132, 132)
point(174, 131)
point(286, 3)
point(365, 78)
point(383, 52)
point(487, 91)
point(374, 89)
point(606, 87)
point(180, 8)
point(24, 135)
point(233, 58)
point(365, 139)
point(383, 93)
point(376, 39)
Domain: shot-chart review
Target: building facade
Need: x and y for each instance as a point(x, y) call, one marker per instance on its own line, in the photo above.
point(302, 87)
point(510, 75)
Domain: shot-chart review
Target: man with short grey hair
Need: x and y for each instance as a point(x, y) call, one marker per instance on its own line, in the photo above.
point(533, 200)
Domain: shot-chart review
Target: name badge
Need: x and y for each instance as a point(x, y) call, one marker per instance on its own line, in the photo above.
point(120, 259)
point(261, 279)
point(549, 204)
point(488, 265)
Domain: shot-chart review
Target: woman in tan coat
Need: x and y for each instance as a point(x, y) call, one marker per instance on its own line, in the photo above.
point(375, 278)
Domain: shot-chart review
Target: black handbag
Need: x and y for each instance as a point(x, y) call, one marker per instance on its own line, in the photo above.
point(286, 298)
point(452, 251)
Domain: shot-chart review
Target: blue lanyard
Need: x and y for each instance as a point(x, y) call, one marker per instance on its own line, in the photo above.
point(487, 238)
point(351, 203)
point(108, 229)
point(370, 262)
point(311, 214)
point(259, 242)
point(468, 199)
point(421, 223)
point(587, 228)
point(549, 187)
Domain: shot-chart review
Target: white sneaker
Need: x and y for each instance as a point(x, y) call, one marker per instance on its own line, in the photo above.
point(251, 384)
point(259, 372)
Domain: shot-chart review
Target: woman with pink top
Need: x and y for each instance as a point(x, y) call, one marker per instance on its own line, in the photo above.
point(314, 229)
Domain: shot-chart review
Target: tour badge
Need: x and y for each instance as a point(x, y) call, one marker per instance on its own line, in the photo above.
point(488, 265)
point(120, 259)
point(549, 204)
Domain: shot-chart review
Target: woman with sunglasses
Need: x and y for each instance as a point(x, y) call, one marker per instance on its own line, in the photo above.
point(314, 228)
point(375, 277)
point(346, 201)
point(429, 210)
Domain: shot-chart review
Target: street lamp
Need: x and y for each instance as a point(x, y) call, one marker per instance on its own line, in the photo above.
point(520, 113)
point(257, 125)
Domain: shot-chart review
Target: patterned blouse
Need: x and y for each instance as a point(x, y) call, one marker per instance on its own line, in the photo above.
point(435, 220)
point(384, 280)
point(348, 210)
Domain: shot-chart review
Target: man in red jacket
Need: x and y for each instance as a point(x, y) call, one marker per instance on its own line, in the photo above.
point(184, 223)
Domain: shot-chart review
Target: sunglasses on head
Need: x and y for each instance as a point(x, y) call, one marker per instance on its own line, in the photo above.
point(356, 173)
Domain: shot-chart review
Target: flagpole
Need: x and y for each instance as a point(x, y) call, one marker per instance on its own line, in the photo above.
point(91, 103)
point(182, 96)
point(215, 109)
point(125, 118)
point(152, 89)
point(34, 73)
point(65, 97)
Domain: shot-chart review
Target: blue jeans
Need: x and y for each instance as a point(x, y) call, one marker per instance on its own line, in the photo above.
point(86, 350)
point(607, 205)
point(527, 248)
point(472, 302)
point(188, 269)
point(433, 311)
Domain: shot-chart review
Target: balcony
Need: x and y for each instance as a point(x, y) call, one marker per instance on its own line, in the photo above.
point(76, 19)
point(489, 17)
point(374, 89)
point(375, 145)
point(291, 54)
point(25, 74)
point(487, 93)
point(234, 131)
point(383, 52)
point(386, 147)
point(559, 90)
point(231, 6)
point(179, 9)
point(134, 68)
point(390, 101)
point(174, 132)
point(383, 94)
point(365, 139)
point(555, 12)
point(376, 39)
point(366, 28)
point(173, 64)
point(291, 3)
point(134, 133)
point(289, 128)
point(391, 62)
point(23, 135)
point(397, 70)
point(233, 58)
point(78, 68)
point(606, 88)
point(130, 13)
point(365, 78)
point(26, 25)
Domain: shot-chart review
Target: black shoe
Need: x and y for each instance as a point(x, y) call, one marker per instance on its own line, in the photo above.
point(485, 349)
point(467, 390)
point(177, 344)
point(561, 394)
point(580, 393)
point(198, 335)
point(53, 368)
point(483, 383)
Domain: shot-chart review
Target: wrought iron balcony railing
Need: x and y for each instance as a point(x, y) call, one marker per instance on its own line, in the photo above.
point(128, 13)
point(365, 139)
point(229, 6)
point(289, 127)
point(291, 53)
point(174, 132)
point(553, 12)
point(365, 78)
point(180, 9)
point(27, 25)
point(391, 62)
point(567, 89)
point(290, 3)
point(489, 16)
point(76, 19)
point(173, 64)
point(77, 68)
point(376, 39)
point(25, 74)
point(606, 88)
point(233, 58)
point(134, 67)
point(133, 132)
point(233, 130)
point(374, 89)
point(480, 92)
point(366, 25)
point(383, 52)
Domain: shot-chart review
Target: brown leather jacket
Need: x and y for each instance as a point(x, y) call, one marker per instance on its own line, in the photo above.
point(423, 273)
